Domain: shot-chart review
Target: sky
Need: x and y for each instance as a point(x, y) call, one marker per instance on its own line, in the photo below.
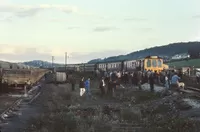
point(90, 29)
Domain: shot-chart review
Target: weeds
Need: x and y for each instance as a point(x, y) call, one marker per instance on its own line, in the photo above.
point(65, 111)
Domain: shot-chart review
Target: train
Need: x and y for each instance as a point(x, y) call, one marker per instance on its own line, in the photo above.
point(152, 63)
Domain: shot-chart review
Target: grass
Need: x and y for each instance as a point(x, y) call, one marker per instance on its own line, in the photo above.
point(185, 63)
point(61, 112)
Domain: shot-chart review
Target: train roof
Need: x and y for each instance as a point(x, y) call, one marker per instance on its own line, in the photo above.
point(110, 61)
point(156, 57)
point(113, 61)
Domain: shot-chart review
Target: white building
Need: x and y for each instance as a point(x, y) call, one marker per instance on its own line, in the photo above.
point(180, 56)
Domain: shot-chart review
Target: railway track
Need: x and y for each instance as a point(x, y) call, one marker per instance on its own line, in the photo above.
point(192, 91)
point(12, 109)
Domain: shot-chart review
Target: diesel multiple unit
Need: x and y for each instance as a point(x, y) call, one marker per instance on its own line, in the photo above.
point(153, 63)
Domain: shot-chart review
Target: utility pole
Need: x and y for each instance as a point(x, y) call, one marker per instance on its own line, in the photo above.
point(65, 61)
point(52, 61)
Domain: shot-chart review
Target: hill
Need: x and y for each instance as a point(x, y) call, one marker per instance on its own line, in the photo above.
point(40, 63)
point(185, 63)
point(166, 51)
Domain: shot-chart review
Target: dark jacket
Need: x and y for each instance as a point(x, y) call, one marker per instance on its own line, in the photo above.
point(81, 84)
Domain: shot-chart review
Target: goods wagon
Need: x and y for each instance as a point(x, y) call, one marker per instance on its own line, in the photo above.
point(14, 66)
point(4, 65)
point(56, 77)
point(61, 77)
point(21, 66)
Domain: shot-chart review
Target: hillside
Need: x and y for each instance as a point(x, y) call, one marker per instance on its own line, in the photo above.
point(40, 63)
point(166, 51)
point(185, 63)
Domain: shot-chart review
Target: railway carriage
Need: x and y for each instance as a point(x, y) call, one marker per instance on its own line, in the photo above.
point(153, 63)
point(102, 66)
point(89, 67)
point(81, 67)
point(133, 65)
point(115, 66)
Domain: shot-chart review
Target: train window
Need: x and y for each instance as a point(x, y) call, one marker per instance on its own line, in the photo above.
point(133, 64)
point(154, 63)
point(148, 63)
point(159, 63)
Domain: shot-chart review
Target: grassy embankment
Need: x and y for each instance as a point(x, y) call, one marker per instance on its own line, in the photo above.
point(64, 111)
point(185, 63)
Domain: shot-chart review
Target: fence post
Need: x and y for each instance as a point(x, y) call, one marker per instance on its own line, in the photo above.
point(25, 91)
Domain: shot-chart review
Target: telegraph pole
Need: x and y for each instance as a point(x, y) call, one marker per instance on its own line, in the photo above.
point(52, 61)
point(65, 61)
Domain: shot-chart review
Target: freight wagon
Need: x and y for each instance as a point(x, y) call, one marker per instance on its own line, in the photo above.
point(56, 77)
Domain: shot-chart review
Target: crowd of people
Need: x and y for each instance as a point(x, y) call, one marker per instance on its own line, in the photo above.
point(109, 81)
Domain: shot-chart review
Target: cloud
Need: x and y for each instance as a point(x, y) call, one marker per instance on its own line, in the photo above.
point(135, 19)
point(31, 10)
point(85, 57)
point(57, 20)
point(6, 19)
point(71, 28)
point(145, 29)
point(196, 16)
point(104, 29)
point(22, 53)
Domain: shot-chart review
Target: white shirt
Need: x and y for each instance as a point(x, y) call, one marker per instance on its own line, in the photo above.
point(197, 74)
point(118, 74)
point(103, 82)
point(166, 78)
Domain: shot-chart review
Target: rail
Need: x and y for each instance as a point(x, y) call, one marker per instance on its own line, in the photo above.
point(10, 108)
point(13, 106)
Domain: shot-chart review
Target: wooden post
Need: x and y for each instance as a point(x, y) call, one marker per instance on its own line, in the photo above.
point(25, 91)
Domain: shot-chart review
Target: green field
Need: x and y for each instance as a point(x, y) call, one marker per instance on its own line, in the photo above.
point(185, 63)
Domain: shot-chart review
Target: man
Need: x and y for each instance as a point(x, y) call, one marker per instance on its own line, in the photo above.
point(82, 87)
point(87, 88)
point(151, 81)
point(73, 83)
point(175, 81)
point(102, 86)
point(198, 77)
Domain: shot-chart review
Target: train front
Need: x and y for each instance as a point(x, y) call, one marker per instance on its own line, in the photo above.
point(153, 63)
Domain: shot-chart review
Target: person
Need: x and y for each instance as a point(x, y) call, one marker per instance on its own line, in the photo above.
point(102, 86)
point(151, 81)
point(198, 77)
point(87, 88)
point(73, 83)
point(175, 81)
point(81, 86)
point(166, 82)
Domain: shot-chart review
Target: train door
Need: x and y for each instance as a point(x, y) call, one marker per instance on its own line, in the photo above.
point(122, 65)
point(142, 65)
point(106, 67)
